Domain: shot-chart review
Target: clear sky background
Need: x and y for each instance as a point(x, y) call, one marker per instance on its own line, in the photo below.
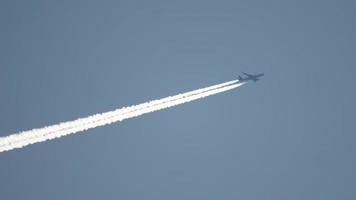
point(289, 136)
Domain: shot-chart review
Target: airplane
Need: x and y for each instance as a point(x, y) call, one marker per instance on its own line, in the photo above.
point(250, 77)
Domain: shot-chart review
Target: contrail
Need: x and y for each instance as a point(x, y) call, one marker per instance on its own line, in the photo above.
point(25, 138)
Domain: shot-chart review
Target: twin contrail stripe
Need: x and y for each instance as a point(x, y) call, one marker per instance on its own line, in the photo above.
point(25, 138)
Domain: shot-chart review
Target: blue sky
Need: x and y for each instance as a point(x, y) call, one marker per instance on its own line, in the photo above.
point(289, 136)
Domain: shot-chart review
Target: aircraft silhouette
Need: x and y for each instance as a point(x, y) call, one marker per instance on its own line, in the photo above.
point(250, 77)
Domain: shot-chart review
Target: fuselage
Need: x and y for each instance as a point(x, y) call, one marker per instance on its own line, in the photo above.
point(251, 77)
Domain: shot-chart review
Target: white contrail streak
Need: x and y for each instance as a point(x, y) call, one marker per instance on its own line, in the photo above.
point(25, 138)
